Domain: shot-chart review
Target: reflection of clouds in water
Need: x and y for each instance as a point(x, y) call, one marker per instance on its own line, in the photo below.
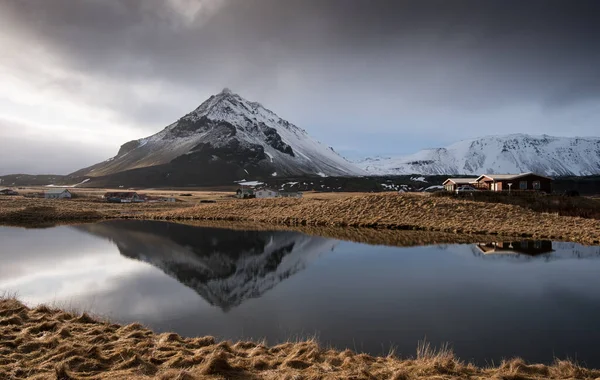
point(59, 264)
point(148, 296)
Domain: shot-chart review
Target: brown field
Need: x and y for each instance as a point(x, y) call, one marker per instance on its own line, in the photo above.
point(48, 343)
point(383, 211)
point(403, 212)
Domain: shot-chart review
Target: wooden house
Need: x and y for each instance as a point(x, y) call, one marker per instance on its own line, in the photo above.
point(451, 184)
point(514, 182)
point(57, 194)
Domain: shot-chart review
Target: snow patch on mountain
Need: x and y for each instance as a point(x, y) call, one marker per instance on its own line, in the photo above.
point(516, 153)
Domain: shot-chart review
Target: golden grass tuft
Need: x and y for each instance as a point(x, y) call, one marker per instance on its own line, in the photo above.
point(46, 343)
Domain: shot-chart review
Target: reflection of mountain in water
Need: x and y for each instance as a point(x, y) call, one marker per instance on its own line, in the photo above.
point(534, 249)
point(225, 267)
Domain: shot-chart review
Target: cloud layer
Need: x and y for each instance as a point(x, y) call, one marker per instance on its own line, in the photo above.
point(366, 77)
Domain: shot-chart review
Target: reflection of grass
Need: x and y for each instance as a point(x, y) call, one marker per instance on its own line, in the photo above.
point(45, 342)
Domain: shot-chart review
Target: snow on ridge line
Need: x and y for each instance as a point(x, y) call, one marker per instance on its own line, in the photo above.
point(546, 155)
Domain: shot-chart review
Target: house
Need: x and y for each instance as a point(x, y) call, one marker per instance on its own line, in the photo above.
point(8, 192)
point(57, 194)
point(290, 194)
point(451, 184)
point(511, 182)
point(526, 247)
point(245, 192)
point(267, 193)
point(122, 197)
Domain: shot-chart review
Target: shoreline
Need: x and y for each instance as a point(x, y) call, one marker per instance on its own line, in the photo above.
point(376, 212)
point(45, 342)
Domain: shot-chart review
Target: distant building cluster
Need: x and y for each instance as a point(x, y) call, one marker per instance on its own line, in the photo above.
point(500, 182)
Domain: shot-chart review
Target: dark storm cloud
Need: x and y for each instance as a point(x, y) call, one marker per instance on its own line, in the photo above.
point(500, 49)
point(428, 72)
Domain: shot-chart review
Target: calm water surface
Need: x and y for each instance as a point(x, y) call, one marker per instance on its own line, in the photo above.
point(537, 300)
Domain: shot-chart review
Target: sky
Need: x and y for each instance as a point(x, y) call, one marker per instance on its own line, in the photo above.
point(368, 77)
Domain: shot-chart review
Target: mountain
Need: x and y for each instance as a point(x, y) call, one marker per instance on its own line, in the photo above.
point(225, 267)
point(226, 138)
point(516, 153)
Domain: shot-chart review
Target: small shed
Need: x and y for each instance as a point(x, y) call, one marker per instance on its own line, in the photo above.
point(514, 182)
point(451, 184)
point(267, 193)
point(57, 194)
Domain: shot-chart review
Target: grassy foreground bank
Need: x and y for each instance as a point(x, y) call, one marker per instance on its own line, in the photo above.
point(47, 343)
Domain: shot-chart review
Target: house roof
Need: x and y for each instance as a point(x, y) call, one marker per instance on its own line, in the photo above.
point(56, 191)
point(460, 181)
point(504, 177)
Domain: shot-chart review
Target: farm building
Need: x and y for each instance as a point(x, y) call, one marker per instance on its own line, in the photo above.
point(518, 182)
point(57, 194)
point(267, 193)
point(451, 184)
point(122, 197)
point(8, 192)
point(245, 192)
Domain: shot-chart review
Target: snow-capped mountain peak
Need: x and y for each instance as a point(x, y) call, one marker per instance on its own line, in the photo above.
point(514, 153)
point(232, 134)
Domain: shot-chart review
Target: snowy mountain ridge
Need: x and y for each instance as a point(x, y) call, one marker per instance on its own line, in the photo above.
point(227, 128)
point(515, 153)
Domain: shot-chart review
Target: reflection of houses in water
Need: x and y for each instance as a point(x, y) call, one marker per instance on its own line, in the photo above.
point(526, 247)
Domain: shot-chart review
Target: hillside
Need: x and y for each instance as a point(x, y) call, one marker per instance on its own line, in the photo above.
point(517, 153)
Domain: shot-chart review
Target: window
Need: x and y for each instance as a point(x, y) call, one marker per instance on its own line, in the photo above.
point(523, 185)
point(536, 185)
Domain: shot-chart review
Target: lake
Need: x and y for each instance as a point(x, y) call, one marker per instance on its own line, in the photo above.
point(489, 301)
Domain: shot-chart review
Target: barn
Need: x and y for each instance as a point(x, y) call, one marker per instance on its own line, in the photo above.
point(57, 194)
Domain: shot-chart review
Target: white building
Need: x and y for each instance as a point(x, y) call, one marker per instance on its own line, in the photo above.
point(57, 194)
point(267, 193)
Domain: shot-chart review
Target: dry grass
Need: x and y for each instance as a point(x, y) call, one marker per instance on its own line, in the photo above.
point(399, 212)
point(33, 211)
point(47, 343)
point(381, 211)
